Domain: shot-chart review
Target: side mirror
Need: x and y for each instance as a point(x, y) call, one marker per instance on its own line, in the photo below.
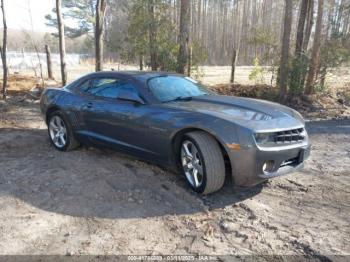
point(130, 96)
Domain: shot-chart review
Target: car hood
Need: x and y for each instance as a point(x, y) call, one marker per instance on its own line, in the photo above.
point(258, 115)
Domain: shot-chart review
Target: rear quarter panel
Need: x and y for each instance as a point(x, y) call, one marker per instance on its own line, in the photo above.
point(49, 98)
point(58, 98)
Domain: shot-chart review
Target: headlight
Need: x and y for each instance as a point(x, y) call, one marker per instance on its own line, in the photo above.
point(262, 138)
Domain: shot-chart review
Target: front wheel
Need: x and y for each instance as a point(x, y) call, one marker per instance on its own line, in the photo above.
point(60, 132)
point(202, 162)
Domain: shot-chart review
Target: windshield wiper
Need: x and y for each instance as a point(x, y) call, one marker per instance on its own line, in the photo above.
point(179, 98)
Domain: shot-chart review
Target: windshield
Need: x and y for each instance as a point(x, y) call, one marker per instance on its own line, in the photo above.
point(169, 88)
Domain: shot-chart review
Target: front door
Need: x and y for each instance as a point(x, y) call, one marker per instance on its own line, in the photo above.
point(113, 122)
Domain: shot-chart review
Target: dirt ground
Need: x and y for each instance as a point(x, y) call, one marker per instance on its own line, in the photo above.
point(91, 201)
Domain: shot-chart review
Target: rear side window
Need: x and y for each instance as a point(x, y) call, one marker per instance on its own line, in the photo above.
point(110, 87)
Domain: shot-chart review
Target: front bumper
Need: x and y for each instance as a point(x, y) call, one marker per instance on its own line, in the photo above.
point(247, 163)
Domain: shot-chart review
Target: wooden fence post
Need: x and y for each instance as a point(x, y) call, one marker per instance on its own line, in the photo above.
point(48, 62)
point(233, 66)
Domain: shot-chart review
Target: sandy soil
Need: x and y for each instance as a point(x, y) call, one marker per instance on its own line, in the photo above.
point(91, 201)
point(100, 202)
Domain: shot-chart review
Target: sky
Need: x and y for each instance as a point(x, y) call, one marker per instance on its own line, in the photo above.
point(17, 14)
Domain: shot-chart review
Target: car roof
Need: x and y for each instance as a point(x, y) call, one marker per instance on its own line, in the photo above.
point(139, 75)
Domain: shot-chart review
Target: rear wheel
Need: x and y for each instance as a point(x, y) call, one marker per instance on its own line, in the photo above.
point(202, 162)
point(60, 132)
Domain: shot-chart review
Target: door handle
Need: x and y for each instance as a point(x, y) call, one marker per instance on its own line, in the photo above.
point(88, 105)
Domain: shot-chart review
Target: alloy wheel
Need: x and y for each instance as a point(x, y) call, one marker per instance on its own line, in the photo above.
point(58, 131)
point(191, 163)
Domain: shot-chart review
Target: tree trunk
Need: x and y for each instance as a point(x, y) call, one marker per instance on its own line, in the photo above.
point(233, 65)
point(323, 76)
point(3, 52)
point(40, 64)
point(339, 17)
point(301, 26)
point(309, 24)
point(306, 40)
point(329, 34)
point(315, 59)
point(141, 62)
point(284, 65)
point(298, 63)
point(184, 36)
point(223, 53)
point(152, 35)
point(48, 62)
point(99, 31)
point(244, 32)
point(199, 21)
point(189, 61)
point(62, 44)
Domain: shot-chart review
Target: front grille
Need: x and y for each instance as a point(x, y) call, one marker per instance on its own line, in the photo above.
point(281, 137)
point(289, 136)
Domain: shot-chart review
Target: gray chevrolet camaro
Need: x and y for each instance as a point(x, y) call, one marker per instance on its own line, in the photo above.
point(174, 121)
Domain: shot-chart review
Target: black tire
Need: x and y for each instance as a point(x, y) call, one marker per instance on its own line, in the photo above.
point(71, 142)
point(212, 162)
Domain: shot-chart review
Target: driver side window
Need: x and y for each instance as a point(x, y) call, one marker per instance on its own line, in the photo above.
point(110, 87)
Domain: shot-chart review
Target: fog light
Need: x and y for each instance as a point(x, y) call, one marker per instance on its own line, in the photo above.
point(268, 166)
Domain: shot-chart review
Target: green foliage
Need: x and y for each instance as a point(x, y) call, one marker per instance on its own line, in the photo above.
point(297, 74)
point(199, 56)
point(79, 13)
point(263, 37)
point(52, 41)
point(319, 88)
point(199, 53)
point(167, 47)
point(257, 74)
point(138, 34)
point(267, 40)
point(166, 38)
point(335, 52)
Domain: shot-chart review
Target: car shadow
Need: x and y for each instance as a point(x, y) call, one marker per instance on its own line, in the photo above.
point(90, 182)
